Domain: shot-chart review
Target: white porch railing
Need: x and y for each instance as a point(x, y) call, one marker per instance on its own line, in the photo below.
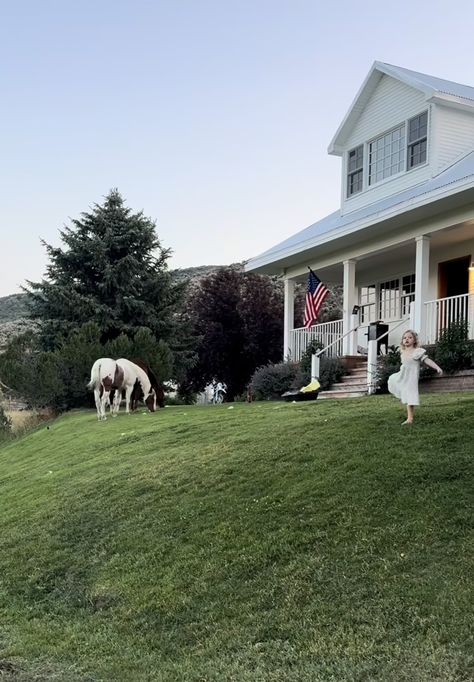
point(440, 313)
point(326, 333)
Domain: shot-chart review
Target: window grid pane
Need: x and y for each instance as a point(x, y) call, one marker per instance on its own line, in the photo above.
point(389, 300)
point(417, 139)
point(367, 303)
point(386, 155)
point(407, 293)
point(355, 170)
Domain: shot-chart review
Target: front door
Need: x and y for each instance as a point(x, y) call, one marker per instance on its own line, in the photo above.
point(453, 281)
point(453, 277)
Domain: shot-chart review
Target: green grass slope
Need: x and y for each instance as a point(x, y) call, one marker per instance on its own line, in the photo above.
point(264, 543)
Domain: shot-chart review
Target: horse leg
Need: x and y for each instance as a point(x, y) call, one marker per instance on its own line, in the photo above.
point(103, 404)
point(116, 404)
point(97, 402)
point(128, 395)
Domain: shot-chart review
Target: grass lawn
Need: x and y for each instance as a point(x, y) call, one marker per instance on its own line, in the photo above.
point(264, 543)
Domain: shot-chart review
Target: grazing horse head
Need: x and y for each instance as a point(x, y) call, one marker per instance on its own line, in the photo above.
point(159, 394)
point(137, 385)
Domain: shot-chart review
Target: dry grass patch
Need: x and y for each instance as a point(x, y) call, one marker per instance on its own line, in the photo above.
point(24, 420)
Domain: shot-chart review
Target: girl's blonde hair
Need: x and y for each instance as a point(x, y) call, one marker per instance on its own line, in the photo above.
point(415, 336)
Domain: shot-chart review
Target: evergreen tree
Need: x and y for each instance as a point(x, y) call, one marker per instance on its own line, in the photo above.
point(112, 270)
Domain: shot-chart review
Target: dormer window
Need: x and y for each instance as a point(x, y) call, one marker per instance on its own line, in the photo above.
point(355, 170)
point(417, 136)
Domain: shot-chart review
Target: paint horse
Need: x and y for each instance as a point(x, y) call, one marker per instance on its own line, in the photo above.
point(106, 377)
point(109, 376)
point(137, 393)
point(136, 380)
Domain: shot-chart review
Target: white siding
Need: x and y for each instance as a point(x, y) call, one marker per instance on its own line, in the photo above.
point(454, 136)
point(391, 104)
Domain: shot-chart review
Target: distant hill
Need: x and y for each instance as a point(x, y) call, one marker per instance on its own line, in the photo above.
point(197, 272)
point(13, 307)
point(13, 316)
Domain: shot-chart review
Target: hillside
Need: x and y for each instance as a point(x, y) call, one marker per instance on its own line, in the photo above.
point(264, 543)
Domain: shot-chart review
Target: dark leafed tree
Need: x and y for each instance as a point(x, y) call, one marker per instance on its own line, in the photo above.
point(237, 320)
point(112, 270)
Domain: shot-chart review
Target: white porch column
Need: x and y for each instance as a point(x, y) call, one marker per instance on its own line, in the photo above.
point(422, 273)
point(289, 318)
point(350, 299)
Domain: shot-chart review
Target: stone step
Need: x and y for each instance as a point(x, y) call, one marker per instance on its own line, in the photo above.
point(357, 373)
point(338, 395)
point(359, 386)
point(351, 380)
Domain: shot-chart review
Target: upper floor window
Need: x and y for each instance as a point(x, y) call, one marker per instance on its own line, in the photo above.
point(355, 170)
point(417, 137)
point(400, 149)
point(387, 155)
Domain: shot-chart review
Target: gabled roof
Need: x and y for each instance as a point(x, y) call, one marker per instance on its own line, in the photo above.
point(454, 179)
point(434, 89)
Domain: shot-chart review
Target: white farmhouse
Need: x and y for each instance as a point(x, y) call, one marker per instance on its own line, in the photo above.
point(402, 242)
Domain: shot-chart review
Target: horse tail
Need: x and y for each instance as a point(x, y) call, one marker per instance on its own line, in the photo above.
point(95, 376)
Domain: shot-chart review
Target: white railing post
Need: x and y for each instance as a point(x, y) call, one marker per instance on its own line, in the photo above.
point(471, 315)
point(315, 364)
point(412, 315)
point(371, 367)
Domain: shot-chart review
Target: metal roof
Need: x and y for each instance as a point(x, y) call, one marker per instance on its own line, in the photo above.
point(434, 89)
point(455, 178)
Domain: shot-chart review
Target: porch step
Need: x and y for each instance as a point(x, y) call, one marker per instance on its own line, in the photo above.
point(351, 380)
point(339, 395)
point(352, 385)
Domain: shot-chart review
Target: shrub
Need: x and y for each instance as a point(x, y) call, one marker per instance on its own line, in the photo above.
point(453, 351)
point(331, 370)
point(386, 365)
point(271, 381)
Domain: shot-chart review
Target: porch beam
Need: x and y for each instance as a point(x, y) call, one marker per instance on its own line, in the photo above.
point(350, 299)
point(422, 273)
point(289, 317)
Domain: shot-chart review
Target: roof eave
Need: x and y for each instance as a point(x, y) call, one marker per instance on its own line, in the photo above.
point(261, 262)
point(452, 101)
point(337, 145)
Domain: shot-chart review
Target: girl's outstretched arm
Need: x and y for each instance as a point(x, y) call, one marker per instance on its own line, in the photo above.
point(433, 365)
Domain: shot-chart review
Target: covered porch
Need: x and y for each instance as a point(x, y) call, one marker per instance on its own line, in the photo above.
point(424, 281)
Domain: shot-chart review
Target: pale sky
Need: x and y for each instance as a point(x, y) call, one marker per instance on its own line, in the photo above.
point(211, 116)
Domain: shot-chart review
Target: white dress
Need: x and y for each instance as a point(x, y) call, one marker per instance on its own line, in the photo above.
point(404, 384)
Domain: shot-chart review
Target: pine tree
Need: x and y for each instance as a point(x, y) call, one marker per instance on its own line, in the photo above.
point(112, 270)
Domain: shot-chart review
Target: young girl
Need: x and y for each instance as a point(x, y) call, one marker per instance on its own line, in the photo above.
point(404, 384)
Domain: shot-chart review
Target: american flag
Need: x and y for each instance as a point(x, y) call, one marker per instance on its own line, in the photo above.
point(315, 295)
